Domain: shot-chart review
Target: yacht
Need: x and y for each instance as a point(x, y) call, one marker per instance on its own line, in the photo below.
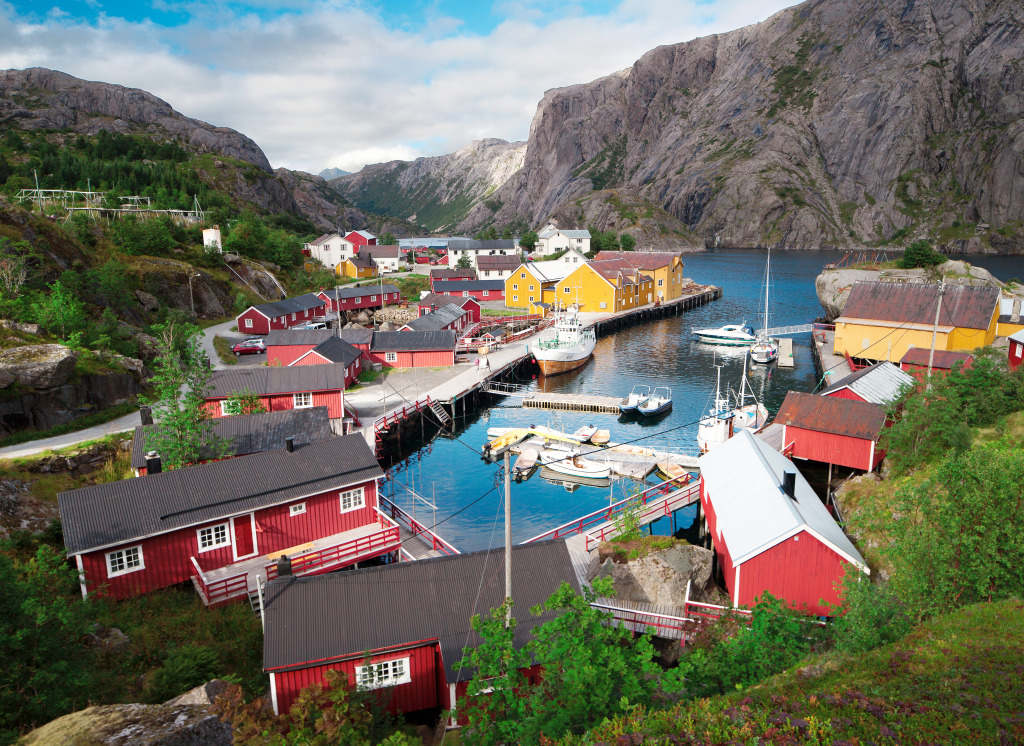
point(765, 349)
point(739, 335)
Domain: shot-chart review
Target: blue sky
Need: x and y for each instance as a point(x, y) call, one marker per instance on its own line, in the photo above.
point(343, 83)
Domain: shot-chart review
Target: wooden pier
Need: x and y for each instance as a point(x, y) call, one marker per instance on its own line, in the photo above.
point(785, 359)
point(574, 403)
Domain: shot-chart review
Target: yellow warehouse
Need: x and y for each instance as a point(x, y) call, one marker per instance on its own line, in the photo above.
point(663, 267)
point(605, 286)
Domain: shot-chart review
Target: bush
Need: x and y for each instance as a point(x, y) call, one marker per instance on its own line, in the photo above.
point(871, 615)
point(185, 668)
point(921, 254)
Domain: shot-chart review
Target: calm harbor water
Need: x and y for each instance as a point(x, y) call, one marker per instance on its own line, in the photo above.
point(467, 490)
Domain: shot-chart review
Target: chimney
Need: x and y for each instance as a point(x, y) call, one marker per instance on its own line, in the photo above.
point(789, 483)
point(153, 463)
point(289, 444)
point(284, 567)
point(146, 414)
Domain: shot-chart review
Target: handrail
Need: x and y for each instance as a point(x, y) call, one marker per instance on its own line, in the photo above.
point(672, 502)
point(335, 555)
point(220, 590)
point(399, 414)
point(437, 543)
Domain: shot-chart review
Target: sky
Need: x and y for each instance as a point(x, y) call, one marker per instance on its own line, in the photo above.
point(344, 83)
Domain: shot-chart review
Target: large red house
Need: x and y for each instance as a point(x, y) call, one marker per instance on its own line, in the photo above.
point(282, 314)
point(282, 388)
point(360, 238)
point(360, 297)
point(401, 629)
point(433, 301)
point(770, 531)
point(880, 383)
point(335, 351)
point(452, 274)
point(285, 347)
point(411, 349)
point(223, 524)
point(479, 289)
point(832, 430)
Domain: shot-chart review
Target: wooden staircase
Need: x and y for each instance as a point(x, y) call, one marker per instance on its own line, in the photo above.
point(442, 416)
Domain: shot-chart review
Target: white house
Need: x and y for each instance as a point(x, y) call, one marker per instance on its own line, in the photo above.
point(211, 238)
point(331, 249)
point(460, 247)
point(387, 258)
point(552, 239)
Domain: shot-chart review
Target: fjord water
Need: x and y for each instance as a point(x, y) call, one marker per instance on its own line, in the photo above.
point(657, 353)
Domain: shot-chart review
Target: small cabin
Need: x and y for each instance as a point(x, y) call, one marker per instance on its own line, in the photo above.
point(334, 351)
point(449, 316)
point(413, 349)
point(943, 362)
point(880, 383)
point(832, 430)
point(1015, 353)
point(481, 290)
point(281, 388)
point(360, 297)
point(282, 314)
point(432, 301)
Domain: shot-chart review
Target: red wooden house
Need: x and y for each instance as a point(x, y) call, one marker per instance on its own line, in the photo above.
point(282, 314)
point(915, 362)
point(335, 351)
point(433, 301)
point(410, 349)
point(360, 238)
point(251, 433)
point(456, 274)
point(1016, 351)
point(222, 524)
point(880, 383)
point(360, 297)
point(449, 316)
point(832, 430)
point(479, 289)
point(770, 531)
point(401, 629)
point(281, 388)
point(285, 347)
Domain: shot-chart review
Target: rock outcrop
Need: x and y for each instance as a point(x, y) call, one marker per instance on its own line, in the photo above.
point(660, 577)
point(41, 409)
point(39, 366)
point(135, 725)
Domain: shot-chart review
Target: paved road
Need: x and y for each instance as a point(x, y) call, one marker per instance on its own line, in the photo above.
point(33, 447)
point(224, 330)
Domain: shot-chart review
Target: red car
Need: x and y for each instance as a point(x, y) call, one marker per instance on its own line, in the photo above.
point(249, 347)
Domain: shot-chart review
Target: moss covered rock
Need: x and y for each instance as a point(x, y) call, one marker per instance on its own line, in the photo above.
point(39, 366)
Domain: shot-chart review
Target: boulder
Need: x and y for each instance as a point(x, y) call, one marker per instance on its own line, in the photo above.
point(388, 326)
point(660, 577)
point(204, 694)
point(6, 379)
point(131, 364)
point(39, 366)
point(17, 326)
point(148, 301)
point(110, 639)
point(135, 725)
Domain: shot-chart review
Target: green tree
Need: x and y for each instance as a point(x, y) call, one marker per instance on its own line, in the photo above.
point(921, 254)
point(627, 241)
point(183, 431)
point(5, 170)
point(529, 240)
point(388, 239)
point(59, 311)
point(490, 233)
point(869, 616)
point(244, 402)
point(464, 262)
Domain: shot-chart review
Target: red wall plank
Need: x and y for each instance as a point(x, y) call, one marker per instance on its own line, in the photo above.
point(801, 570)
point(829, 448)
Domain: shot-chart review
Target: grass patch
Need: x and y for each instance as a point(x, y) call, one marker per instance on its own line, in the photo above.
point(411, 285)
point(501, 311)
point(369, 375)
point(207, 323)
point(80, 423)
point(636, 548)
point(223, 348)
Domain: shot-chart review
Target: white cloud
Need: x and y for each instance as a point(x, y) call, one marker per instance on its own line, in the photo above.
point(334, 86)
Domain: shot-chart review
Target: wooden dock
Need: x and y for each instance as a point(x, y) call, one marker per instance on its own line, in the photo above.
point(574, 403)
point(785, 359)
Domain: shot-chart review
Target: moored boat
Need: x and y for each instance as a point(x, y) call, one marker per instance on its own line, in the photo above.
point(673, 471)
point(637, 395)
point(570, 348)
point(601, 437)
point(497, 446)
point(584, 433)
point(574, 466)
point(765, 349)
point(657, 403)
point(739, 335)
point(716, 427)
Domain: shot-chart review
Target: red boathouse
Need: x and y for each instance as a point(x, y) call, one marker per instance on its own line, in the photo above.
point(832, 430)
point(915, 361)
point(880, 383)
point(360, 298)
point(282, 388)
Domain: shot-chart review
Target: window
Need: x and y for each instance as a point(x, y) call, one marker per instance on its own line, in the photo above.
point(565, 290)
point(661, 283)
point(390, 357)
point(531, 287)
point(124, 561)
point(352, 500)
point(303, 400)
point(867, 343)
point(465, 293)
point(385, 673)
point(248, 323)
point(293, 317)
point(486, 293)
point(213, 537)
point(373, 297)
point(487, 273)
point(230, 408)
point(604, 305)
point(297, 509)
point(515, 286)
point(358, 301)
point(522, 275)
point(515, 298)
point(531, 299)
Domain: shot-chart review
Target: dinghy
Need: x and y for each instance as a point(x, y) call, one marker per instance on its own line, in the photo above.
point(574, 466)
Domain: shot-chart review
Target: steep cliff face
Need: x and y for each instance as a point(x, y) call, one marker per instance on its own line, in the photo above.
point(835, 123)
point(436, 192)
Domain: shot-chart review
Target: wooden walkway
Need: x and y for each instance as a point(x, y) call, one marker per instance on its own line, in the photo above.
point(574, 402)
point(414, 547)
point(832, 367)
point(785, 359)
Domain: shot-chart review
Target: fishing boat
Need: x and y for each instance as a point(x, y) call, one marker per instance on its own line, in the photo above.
point(574, 466)
point(672, 471)
point(637, 395)
point(584, 433)
point(657, 403)
point(737, 335)
point(716, 427)
point(601, 437)
point(765, 349)
point(570, 348)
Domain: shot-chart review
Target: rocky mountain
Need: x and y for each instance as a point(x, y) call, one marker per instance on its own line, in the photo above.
point(333, 173)
point(835, 123)
point(436, 192)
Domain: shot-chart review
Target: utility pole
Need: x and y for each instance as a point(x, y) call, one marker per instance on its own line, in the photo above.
point(508, 542)
point(935, 330)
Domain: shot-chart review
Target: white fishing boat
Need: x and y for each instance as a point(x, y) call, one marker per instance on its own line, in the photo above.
point(765, 349)
point(584, 433)
point(657, 403)
point(570, 347)
point(738, 335)
point(637, 395)
point(574, 466)
point(716, 427)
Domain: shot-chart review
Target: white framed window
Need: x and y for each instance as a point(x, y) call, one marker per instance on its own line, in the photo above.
point(661, 283)
point(465, 293)
point(531, 287)
point(248, 323)
point(358, 301)
point(297, 509)
point(487, 293)
point(515, 298)
point(373, 297)
point(352, 499)
point(230, 408)
point(565, 290)
point(303, 400)
point(522, 275)
point(212, 537)
point(515, 286)
point(531, 299)
point(604, 305)
point(385, 673)
point(390, 357)
point(123, 561)
point(293, 317)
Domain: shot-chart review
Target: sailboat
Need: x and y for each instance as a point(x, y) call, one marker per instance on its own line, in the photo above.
point(754, 415)
point(765, 349)
point(716, 427)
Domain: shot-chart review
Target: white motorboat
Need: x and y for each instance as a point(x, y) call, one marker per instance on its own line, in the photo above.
point(570, 348)
point(765, 349)
point(738, 335)
point(584, 433)
point(716, 427)
point(657, 403)
point(574, 466)
point(637, 395)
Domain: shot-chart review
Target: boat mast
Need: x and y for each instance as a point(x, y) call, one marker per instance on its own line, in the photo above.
point(508, 542)
point(767, 270)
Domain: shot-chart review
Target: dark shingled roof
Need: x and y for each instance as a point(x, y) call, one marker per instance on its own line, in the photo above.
point(276, 380)
point(447, 274)
point(348, 291)
point(380, 251)
point(410, 341)
point(964, 306)
point(437, 300)
point(345, 614)
point(944, 359)
point(107, 514)
point(458, 286)
point(827, 414)
point(337, 351)
point(252, 433)
point(360, 261)
point(498, 262)
point(296, 337)
point(290, 305)
point(357, 336)
point(437, 319)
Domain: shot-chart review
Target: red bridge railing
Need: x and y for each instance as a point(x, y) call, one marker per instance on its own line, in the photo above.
point(416, 528)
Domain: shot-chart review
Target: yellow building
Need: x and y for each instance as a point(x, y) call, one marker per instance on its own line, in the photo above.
point(534, 282)
point(1011, 317)
point(882, 320)
point(357, 267)
point(663, 267)
point(605, 286)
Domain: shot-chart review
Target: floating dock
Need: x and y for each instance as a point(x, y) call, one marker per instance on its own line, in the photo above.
point(574, 403)
point(785, 359)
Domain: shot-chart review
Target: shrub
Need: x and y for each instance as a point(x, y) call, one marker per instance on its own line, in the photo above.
point(185, 668)
point(921, 254)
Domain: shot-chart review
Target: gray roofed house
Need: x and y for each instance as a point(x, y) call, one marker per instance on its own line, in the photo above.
point(275, 380)
point(345, 614)
point(336, 351)
point(880, 383)
point(412, 341)
point(498, 263)
point(437, 300)
point(105, 515)
point(380, 251)
point(472, 244)
point(290, 305)
point(461, 286)
point(362, 291)
point(451, 274)
point(297, 337)
point(252, 433)
point(358, 336)
point(437, 319)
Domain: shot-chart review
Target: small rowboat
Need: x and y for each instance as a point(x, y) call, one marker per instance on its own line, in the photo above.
point(584, 433)
point(496, 447)
point(600, 437)
point(673, 471)
point(525, 463)
point(574, 466)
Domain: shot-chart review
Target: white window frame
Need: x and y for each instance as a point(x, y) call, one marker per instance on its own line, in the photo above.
point(390, 357)
point(354, 496)
point(224, 408)
point(373, 298)
point(661, 283)
point(215, 541)
point(515, 286)
point(297, 402)
point(111, 573)
point(566, 290)
point(515, 298)
point(383, 674)
point(293, 317)
point(487, 293)
point(248, 323)
point(531, 299)
point(296, 509)
point(465, 293)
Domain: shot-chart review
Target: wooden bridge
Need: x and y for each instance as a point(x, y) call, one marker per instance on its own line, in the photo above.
point(418, 541)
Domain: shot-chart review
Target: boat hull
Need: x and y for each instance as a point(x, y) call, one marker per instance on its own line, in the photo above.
point(727, 341)
point(655, 411)
point(554, 367)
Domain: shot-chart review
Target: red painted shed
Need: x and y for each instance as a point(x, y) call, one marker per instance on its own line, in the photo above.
point(768, 538)
point(433, 301)
point(832, 430)
point(412, 620)
point(446, 274)
point(360, 238)
point(1016, 351)
point(335, 351)
point(285, 347)
point(360, 297)
point(282, 314)
point(915, 362)
point(220, 525)
point(282, 388)
point(411, 349)
point(478, 289)
point(880, 383)
point(449, 316)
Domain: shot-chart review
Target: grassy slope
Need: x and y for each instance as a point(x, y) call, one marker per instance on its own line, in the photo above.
point(949, 681)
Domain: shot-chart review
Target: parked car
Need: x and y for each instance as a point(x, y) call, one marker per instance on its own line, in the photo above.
point(313, 325)
point(249, 347)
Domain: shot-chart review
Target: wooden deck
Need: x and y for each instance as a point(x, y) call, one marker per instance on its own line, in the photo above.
point(834, 367)
point(574, 403)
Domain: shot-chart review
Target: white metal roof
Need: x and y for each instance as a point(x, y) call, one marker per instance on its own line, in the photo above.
point(878, 384)
point(551, 231)
point(1017, 336)
point(550, 271)
point(743, 481)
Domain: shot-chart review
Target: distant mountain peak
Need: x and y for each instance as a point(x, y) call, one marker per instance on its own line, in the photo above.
point(333, 173)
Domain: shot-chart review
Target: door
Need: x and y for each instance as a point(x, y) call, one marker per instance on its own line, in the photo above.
point(245, 536)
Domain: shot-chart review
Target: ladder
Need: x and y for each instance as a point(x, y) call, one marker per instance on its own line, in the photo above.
point(443, 417)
